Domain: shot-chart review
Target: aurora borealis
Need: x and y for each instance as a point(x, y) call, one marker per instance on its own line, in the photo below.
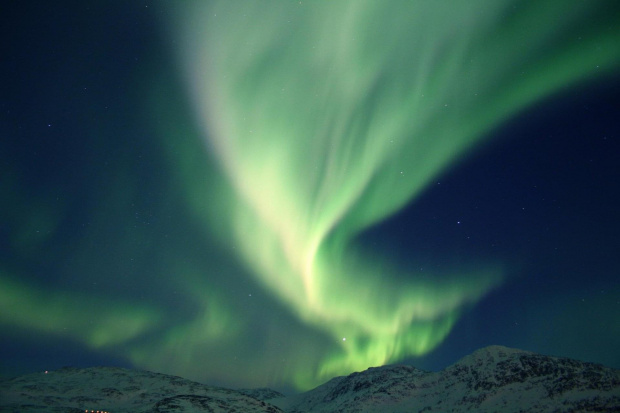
point(252, 193)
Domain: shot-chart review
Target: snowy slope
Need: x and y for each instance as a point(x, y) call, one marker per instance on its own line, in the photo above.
point(119, 390)
point(493, 379)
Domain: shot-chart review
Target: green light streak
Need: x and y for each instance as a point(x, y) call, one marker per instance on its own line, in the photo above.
point(329, 117)
point(99, 322)
point(183, 344)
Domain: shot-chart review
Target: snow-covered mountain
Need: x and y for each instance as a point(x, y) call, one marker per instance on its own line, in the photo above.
point(117, 390)
point(493, 379)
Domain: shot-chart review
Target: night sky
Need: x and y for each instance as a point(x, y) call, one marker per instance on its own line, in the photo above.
point(275, 193)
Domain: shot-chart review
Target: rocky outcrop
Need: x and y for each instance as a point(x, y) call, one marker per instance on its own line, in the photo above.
point(264, 394)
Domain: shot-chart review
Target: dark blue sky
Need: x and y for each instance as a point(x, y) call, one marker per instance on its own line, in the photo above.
point(94, 204)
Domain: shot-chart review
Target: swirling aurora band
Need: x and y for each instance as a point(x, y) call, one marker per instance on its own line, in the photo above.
point(330, 117)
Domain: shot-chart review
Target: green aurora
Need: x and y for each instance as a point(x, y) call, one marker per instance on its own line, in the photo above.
point(329, 117)
point(318, 120)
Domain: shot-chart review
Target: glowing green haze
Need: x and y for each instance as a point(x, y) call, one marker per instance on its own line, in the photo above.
point(328, 117)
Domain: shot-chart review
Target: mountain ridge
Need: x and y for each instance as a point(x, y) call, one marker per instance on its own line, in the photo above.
point(490, 379)
point(493, 378)
point(117, 390)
